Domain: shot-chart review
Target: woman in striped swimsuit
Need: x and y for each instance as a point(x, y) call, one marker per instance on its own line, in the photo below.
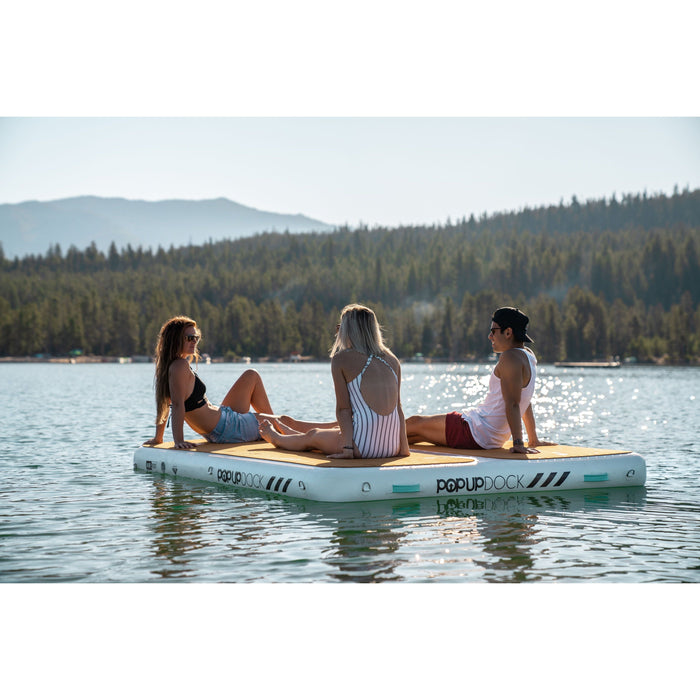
point(367, 380)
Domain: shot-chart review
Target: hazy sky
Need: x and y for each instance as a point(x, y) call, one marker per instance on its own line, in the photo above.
point(346, 170)
point(299, 107)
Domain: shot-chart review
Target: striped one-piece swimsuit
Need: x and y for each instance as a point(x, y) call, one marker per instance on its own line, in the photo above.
point(374, 434)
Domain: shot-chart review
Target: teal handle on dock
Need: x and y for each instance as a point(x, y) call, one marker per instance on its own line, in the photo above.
point(405, 488)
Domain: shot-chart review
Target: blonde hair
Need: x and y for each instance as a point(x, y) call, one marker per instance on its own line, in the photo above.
point(168, 349)
point(360, 330)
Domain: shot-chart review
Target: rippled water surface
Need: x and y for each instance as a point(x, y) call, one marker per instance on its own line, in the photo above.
point(73, 509)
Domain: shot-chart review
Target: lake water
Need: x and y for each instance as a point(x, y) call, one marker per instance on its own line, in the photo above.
point(73, 509)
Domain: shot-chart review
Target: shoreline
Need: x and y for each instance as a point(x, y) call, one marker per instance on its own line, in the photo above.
point(143, 359)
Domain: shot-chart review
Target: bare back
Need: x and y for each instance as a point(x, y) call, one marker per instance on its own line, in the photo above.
point(380, 386)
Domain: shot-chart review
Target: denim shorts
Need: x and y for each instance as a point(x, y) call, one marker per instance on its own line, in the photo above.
point(234, 427)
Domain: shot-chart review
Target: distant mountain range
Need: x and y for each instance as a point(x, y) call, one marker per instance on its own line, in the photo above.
point(31, 228)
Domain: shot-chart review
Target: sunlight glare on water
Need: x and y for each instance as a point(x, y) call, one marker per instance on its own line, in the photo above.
point(75, 511)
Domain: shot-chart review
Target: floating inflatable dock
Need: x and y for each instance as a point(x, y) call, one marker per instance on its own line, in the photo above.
point(429, 471)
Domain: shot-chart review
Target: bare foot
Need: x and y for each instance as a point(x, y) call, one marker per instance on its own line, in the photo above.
point(277, 424)
point(269, 434)
point(283, 428)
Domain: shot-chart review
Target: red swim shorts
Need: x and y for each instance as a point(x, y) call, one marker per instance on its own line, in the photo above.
point(458, 434)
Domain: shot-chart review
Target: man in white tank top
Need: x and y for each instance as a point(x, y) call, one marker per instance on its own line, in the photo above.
point(507, 405)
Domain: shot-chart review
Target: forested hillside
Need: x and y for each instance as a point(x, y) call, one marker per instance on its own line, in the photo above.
point(600, 278)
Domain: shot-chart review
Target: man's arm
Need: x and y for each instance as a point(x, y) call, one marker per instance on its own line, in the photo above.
point(511, 376)
point(510, 372)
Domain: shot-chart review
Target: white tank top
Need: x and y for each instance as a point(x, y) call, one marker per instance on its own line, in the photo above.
point(374, 434)
point(488, 421)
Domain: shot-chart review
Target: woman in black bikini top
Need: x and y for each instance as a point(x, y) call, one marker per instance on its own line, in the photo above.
point(178, 387)
point(198, 397)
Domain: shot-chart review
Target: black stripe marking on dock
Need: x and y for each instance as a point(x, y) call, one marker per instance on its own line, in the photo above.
point(535, 480)
point(562, 479)
point(545, 483)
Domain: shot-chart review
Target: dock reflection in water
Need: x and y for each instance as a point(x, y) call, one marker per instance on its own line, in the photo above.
point(497, 538)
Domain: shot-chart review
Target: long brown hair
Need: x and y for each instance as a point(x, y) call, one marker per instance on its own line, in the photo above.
point(359, 329)
point(168, 349)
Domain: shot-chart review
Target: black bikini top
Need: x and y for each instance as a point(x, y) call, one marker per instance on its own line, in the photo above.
point(197, 398)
